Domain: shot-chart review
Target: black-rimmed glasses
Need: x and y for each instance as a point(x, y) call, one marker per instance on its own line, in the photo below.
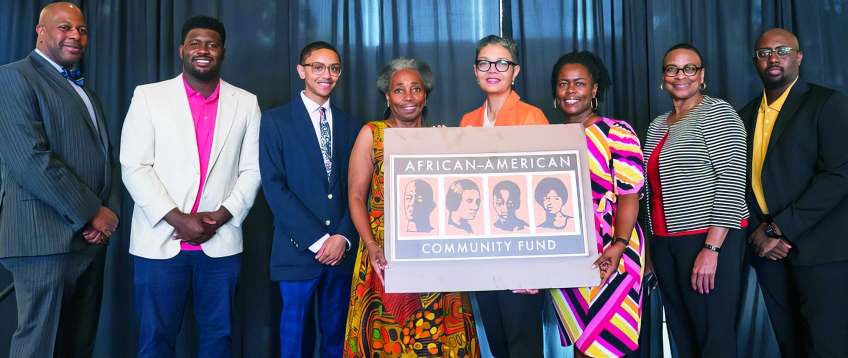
point(781, 51)
point(688, 70)
point(318, 68)
point(500, 65)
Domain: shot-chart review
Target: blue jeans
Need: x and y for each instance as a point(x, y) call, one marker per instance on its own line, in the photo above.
point(161, 290)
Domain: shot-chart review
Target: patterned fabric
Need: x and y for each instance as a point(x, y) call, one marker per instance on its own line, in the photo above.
point(401, 325)
point(75, 76)
point(605, 321)
point(326, 142)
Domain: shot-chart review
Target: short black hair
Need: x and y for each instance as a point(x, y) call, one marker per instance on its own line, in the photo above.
point(593, 64)
point(204, 22)
point(684, 46)
point(317, 45)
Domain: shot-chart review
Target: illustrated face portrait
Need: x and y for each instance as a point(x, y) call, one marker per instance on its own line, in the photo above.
point(418, 200)
point(501, 203)
point(469, 205)
point(552, 202)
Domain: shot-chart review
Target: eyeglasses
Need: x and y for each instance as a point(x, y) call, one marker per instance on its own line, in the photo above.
point(781, 52)
point(500, 65)
point(318, 68)
point(688, 70)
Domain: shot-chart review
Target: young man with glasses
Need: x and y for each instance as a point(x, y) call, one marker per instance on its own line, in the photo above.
point(797, 197)
point(304, 151)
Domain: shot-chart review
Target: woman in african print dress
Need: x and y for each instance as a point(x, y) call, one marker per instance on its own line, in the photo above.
point(603, 321)
point(390, 324)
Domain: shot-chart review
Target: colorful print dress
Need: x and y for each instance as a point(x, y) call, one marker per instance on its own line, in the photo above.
point(605, 321)
point(407, 324)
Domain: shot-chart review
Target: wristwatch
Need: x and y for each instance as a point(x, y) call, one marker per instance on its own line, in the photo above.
point(770, 232)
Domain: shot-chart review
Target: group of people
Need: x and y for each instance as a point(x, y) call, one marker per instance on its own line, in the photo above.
point(195, 150)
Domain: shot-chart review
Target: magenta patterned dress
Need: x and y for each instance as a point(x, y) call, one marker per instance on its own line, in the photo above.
point(605, 321)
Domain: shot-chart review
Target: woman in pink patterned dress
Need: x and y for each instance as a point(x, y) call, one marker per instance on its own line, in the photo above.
point(603, 321)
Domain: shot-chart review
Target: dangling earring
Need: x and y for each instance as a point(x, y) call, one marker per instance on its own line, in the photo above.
point(703, 86)
point(594, 103)
point(555, 104)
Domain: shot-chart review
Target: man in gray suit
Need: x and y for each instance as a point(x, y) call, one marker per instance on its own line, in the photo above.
point(57, 190)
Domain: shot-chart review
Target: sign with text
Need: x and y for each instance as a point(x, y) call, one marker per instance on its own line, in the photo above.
point(473, 209)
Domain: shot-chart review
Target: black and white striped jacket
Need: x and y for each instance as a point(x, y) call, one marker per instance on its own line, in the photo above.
point(701, 167)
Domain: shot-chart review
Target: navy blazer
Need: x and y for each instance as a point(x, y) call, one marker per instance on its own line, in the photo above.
point(805, 172)
point(56, 167)
point(305, 204)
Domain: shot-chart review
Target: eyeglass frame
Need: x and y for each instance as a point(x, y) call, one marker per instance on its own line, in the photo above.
point(326, 68)
point(775, 51)
point(666, 68)
point(489, 68)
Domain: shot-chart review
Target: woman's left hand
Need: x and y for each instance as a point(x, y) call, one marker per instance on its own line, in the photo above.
point(703, 273)
point(607, 264)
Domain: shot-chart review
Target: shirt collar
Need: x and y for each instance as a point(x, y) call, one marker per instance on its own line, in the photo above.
point(55, 65)
point(778, 103)
point(192, 92)
point(311, 106)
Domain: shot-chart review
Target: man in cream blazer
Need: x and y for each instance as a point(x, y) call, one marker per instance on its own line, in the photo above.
point(189, 158)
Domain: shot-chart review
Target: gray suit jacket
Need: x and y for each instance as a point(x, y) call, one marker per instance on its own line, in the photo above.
point(56, 168)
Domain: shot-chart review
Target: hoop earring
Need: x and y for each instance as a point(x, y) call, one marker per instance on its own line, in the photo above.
point(555, 104)
point(662, 87)
point(594, 103)
point(703, 86)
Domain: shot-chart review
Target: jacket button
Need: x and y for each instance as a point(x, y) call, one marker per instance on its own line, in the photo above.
point(327, 222)
point(330, 196)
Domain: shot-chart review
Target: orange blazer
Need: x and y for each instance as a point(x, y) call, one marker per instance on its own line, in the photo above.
point(513, 113)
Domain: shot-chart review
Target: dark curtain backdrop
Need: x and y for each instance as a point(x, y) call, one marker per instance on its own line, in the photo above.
point(135, 42)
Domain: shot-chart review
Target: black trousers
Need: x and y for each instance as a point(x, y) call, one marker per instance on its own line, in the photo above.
point(513, 322)
point(806, 305)
point(702, 325)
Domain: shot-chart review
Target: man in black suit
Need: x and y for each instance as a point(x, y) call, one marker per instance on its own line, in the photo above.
point(57, 190)
point(798, 197)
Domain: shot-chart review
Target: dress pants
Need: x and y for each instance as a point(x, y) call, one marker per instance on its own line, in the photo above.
point(513, 322)
point(297, 324)
point(161, 290)
point(58, 302)
point(781, 298)
point(702, 325)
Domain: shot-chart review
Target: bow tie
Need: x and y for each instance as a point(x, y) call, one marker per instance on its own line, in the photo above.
point(74, 75)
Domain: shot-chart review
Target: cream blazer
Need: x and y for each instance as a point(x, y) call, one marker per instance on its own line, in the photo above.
point(160, 165)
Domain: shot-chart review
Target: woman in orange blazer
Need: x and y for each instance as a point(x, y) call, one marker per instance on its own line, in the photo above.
point(512, 320)
point(496, 69)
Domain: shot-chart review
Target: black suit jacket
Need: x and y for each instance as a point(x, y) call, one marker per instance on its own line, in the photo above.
point(805, 172)
point(56, 167)
point(305, 204)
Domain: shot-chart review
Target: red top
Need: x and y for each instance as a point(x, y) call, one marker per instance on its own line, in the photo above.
point(657, 214)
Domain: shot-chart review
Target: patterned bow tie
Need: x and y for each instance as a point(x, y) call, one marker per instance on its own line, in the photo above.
point(74, 75)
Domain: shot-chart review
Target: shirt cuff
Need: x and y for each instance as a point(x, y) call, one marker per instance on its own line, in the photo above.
point(317, 245)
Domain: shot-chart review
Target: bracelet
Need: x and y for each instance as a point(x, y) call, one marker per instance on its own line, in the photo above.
point(621, 240)
point(370, 242)
point(712, 248)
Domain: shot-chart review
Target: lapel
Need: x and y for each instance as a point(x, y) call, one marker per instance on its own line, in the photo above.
point(227, 109)
point(302, 124)
point(339, 140)
point(177, 102)
point(787, 113)
point(749, 117)
point(100, 118)
point(65, 90)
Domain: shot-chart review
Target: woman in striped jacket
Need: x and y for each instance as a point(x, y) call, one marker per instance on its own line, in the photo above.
point(695, 165)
